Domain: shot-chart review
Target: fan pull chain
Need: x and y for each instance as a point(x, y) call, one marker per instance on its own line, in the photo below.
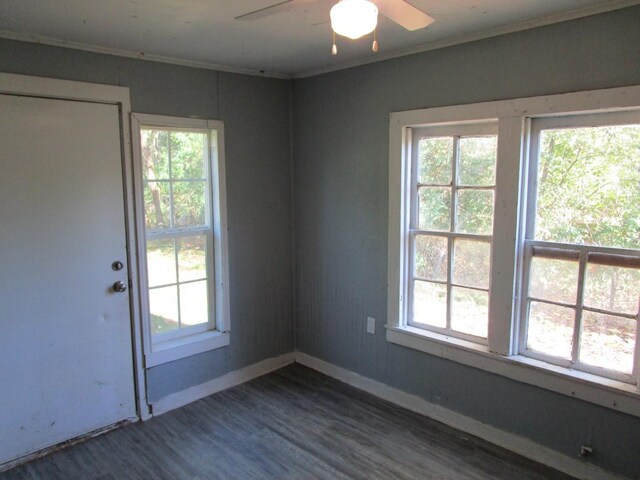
point(374, 47)
point(334, 49)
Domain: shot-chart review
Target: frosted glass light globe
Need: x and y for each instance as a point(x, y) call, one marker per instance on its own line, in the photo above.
point(354, 18)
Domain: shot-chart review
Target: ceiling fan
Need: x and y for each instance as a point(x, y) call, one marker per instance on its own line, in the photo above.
point(354, 18)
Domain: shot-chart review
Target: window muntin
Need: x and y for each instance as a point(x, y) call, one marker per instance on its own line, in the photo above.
point(178, 230)
point(451, 229)
point(582, 266)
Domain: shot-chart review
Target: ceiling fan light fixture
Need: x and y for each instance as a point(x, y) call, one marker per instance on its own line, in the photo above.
point(354, 18)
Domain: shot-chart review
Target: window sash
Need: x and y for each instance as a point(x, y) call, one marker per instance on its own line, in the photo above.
point(176, 233)
point(210, 277)
point(456, 131)
point(629, 258)
point(171, 180)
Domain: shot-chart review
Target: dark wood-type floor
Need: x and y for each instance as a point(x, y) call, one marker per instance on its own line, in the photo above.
point(291, 424)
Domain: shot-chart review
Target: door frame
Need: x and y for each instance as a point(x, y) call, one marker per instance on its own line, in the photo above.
point(120, 97)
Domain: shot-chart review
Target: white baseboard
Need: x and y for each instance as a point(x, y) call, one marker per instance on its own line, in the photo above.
point(231, 379)
point(509, 441)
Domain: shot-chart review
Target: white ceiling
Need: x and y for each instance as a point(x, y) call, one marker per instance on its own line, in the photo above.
point(292, 43)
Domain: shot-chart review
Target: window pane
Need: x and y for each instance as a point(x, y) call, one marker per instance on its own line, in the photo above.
point(434, 164)
point(163, 305)
point(475, 211)
point(588, 186)
point(477, 161)
point(550, 329)
point(552, 279)
point(193, 303)
point(471, 262)
point(607, 341)
point(192, 257)
point(430, 303)
point(470, 311)
point(155, 156)
point(161, 262)
point(434, 207)
point(431, 257)
point(187, 155)
point(188, 203)
point(156, 205)
point(612, 288)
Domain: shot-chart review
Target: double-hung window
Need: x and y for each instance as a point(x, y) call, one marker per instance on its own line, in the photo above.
point(514, 240)
point(181, 197)
point(453, 176)
point(582, 263)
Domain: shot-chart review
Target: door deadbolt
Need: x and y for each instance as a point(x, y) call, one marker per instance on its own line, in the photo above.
point(117, 265)
point(119, 287)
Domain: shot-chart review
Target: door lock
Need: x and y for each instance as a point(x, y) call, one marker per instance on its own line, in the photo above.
point(119, 287)
point(117, 265)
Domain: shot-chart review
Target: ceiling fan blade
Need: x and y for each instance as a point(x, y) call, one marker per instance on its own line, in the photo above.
point(266, 11)
point(404, 14)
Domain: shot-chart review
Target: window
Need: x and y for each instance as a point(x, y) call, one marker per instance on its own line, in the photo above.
point(180, 166)
point(514, 240)
point(451, 229)
point(581, 251)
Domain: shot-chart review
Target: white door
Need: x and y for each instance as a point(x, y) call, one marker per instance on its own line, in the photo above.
point(66, 363)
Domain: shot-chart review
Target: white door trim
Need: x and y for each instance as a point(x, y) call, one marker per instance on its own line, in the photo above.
point(70, 90)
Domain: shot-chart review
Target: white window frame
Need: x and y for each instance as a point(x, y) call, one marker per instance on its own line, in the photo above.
point(163, 348)
point(501, 353)
point(455, 131)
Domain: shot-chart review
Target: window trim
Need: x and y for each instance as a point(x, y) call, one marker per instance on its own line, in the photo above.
point(159, 352)
point(500, 355)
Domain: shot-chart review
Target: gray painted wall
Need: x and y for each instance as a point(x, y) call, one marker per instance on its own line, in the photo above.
point(257, 139)
point(341, 193)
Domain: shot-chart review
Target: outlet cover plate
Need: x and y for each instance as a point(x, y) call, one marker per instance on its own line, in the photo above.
point(371, 325)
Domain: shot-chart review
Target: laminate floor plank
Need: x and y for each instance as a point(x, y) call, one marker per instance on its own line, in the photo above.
point(294, 423)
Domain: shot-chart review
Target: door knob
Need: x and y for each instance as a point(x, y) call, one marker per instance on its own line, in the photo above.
point(119, 287)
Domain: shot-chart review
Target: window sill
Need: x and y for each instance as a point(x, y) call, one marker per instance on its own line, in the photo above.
point(613, 394)
point(177, 348)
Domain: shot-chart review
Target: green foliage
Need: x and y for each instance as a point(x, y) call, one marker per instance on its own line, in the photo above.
point(476, 168)
point(589, 186)
point(431, 257)
point(477, 161)
point(475, 211)
point(434, 165)
point(169, 159)
point(434, 204)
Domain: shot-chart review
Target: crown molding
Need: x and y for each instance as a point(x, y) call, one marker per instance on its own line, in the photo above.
point(87, 47)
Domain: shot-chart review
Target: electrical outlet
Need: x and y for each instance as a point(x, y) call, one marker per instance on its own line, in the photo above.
point(371, 325)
